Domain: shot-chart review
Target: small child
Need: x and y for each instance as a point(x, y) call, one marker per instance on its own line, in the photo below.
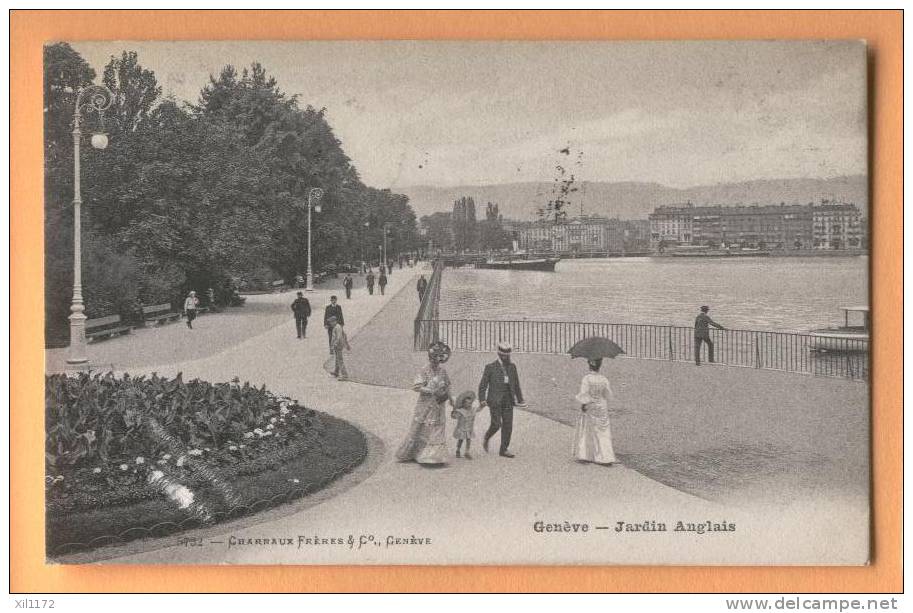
point(464, 411)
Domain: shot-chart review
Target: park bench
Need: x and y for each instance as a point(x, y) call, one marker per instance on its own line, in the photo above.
point(105, 327)
point(160, 313)
point(279, 285)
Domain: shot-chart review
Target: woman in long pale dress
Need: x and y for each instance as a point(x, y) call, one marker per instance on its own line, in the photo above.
point(425, 441)
point(593, 440)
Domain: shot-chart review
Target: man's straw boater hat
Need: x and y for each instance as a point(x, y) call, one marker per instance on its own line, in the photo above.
point(504, 347)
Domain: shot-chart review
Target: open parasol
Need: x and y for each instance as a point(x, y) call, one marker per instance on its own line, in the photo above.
point(595, 347)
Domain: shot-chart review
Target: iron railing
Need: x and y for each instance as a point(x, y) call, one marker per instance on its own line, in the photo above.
point(799, 353)
point(424, 335)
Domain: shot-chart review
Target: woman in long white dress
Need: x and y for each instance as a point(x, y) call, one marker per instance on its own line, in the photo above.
point(593, 439)
point(424, 442)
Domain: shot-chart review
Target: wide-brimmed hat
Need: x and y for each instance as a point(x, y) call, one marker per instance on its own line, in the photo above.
point(705, 308)
point(504, 347)
point(439, 352)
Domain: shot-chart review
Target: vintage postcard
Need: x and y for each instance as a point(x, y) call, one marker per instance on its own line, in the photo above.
point(481, 303)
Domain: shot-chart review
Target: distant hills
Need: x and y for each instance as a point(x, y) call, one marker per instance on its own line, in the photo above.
point(631, 200)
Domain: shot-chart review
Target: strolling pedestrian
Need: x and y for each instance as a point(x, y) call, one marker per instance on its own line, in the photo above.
point(190, 308)
point(299, 280)
point(593, 437)
point(369, 282)
point(421, 286)
point(339, 343)
point(424, 442)
point(347, 283)
point(702, 325)
point(499, 390)
point(332, 310)
point(301, 307)
point(382, 281)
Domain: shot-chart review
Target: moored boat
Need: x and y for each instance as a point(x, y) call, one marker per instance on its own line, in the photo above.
point(539, 264)
point(846, 338)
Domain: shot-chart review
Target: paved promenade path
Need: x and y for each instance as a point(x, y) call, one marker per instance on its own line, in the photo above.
point(480, 511)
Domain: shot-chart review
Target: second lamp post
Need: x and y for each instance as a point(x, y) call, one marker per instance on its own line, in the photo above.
point(314, 196)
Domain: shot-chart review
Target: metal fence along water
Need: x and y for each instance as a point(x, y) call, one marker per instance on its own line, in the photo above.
point(797, 353)
point(747, 348)
point(783, 351)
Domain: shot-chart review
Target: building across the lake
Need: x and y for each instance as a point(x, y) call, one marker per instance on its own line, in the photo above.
point(583, 235)
point(828, 225)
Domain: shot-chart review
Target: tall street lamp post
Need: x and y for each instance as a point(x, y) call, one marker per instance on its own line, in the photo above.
point(314, 196)
point(389, 223)
point(92, 98)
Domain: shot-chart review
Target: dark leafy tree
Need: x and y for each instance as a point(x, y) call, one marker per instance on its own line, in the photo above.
point(491, 235)
point(439, 231)
point(136, 91)
point(198, 196)
point(465, 230)
point(65, 72)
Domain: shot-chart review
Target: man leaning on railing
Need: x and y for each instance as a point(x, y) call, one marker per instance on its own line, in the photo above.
point(702, 325)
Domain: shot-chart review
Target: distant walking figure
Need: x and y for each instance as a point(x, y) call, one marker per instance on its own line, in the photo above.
point(302, 309)
point(369, 281)
point(347, 283)
point(421, 286)
point(382, 281)
point(190, 308)
point(702, 325)
point(332, 310)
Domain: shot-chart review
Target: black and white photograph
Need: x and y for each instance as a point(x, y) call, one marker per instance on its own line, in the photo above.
point(457, 303)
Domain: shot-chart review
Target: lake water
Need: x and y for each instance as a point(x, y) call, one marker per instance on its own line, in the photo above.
point(765, 293)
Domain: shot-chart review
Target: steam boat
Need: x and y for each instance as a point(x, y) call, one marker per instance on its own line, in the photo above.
point(540, 264)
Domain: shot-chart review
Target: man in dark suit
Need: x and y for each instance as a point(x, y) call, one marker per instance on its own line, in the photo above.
point(421, 286)
point(499, 389)
point(332, 310)
point(302, 309)
point(702, 324)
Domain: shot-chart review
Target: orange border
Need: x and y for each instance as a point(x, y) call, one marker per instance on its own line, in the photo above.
point(30, 29)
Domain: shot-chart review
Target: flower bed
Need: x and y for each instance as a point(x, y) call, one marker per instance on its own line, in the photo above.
point(134, 457)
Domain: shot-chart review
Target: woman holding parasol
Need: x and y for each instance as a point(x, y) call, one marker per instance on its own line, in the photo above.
point(593, 437)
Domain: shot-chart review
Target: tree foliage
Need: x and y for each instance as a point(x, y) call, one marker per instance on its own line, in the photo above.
point(198, 195)
point(465, 230)
point(439, 231)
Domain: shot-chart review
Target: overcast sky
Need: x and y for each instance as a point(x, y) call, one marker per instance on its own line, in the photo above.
point(464, 113)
